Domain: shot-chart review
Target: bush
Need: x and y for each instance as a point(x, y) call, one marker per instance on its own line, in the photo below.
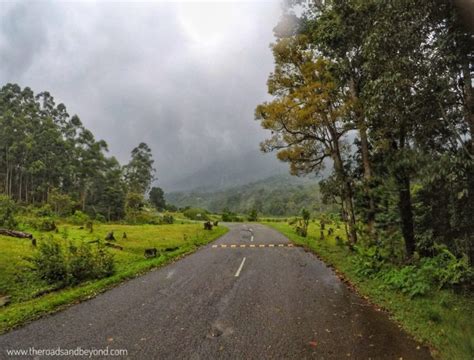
point(167, 219)
point(44, 211)
point(73, 264)
point(79, 218)
point(440, 271)
point(8, 210)
point(229, 216)
point(196, 214)
point(100, 218)
point(46, 224)
point(50, 262)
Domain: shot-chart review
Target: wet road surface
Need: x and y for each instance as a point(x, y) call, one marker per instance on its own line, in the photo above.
point(248, 295)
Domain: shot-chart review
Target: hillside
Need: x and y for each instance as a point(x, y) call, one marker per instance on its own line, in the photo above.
point(238, 170)
point(278, 195)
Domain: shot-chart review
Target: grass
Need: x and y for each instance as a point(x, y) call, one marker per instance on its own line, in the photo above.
point(32, 298)
point(442, 319)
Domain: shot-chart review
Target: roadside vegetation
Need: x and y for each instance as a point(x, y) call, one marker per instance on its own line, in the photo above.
point(74, 221)
point(73, 263)
point(425, 297)
point(383, 95)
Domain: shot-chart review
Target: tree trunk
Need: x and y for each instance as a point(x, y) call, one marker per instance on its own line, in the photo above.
point(364, 146)
point(347, 193)
point(364, 143)
point(406, 213)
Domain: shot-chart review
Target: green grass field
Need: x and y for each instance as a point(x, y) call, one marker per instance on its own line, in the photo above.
point(31, 298)
point(442, 319)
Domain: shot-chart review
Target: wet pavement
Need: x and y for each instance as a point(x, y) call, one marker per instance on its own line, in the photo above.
point(248, 295)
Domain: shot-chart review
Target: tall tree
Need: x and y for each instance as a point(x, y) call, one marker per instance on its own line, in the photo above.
point(139, 172)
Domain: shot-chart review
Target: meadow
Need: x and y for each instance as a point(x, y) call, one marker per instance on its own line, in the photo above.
point(30, 297)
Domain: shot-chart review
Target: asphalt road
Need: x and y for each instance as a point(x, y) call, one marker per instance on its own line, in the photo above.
point(279, 303)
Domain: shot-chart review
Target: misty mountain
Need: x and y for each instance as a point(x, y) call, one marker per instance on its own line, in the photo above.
point(240, 169)
point(278, 195)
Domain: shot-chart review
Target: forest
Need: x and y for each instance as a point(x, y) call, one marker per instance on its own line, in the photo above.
point(49, 158)
point(384, 92)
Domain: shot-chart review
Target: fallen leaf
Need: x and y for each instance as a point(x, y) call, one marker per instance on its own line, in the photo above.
point(313, 344)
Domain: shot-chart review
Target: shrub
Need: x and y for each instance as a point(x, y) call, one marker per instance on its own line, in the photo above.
point(70, 265)
point(79, 218)
point(442, 270)
point(228, 216)
point(100, 218)
point(167, 219)
point(253, 215)
point(44, 211)
point(46, 224)
point(196, 214)
point(50, 263)
point(8, 210)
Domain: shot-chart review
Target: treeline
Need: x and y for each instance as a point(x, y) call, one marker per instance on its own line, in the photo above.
point(279, 195)
point(398, 77)
point(48, 156)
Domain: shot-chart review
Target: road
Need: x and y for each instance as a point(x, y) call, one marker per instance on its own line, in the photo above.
point(237, 298)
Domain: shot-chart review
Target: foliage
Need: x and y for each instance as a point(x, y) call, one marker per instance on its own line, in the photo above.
point(139, 171)
point(280, 195)
point(8, 209)
point(60, 265)
point(303, 223)
point(167, 219)
point(79, 218)
point(157, 198)
point(196, 214)
point(253, 215)
point(50, 158)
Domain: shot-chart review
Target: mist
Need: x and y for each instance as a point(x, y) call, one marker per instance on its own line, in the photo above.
point(182, 77)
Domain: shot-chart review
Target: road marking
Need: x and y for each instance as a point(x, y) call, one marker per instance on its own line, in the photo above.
point(240, 268)
point(233, 246)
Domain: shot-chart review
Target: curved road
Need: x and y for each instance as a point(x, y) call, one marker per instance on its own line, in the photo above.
point(279, 303)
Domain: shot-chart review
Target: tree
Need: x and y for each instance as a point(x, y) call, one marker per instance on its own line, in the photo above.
point(309, 116)
point(157, 198)
point(139, 171)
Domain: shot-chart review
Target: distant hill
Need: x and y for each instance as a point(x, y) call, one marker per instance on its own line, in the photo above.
point(241, 169)
point(278, 195)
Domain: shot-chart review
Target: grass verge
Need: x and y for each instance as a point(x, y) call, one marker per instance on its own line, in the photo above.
point(24, 288)
point(442, 319)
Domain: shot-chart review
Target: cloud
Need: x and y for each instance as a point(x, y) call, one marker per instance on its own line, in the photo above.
point(183, 77)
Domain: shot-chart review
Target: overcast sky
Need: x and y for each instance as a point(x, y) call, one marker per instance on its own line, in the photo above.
point(183, 77)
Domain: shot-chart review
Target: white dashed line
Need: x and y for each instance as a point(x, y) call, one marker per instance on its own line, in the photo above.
point(240, 268)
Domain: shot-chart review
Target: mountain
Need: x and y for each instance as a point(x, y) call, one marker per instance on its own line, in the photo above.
point(278, 195)
point(238, 170)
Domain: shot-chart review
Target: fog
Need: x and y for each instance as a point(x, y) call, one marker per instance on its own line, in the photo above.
point(182, 77)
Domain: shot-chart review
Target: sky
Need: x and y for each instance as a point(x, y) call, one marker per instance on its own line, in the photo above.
point(184, 77)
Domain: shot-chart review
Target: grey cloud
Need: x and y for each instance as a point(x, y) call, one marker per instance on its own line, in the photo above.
point(183, 77)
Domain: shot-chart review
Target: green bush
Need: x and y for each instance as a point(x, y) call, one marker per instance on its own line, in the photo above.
point(46, 224)
point(196, 214)
point(71, 265)
point(441, 271)
point(167, 219)
point(8, 209)
point(79, 218)
point(44, 211)
point(50, 263)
